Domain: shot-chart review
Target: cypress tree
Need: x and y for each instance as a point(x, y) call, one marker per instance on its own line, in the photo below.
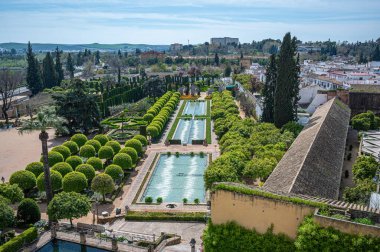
point(70, 66)
point(97, 57)
point(269, 89)
point(49, 77)
point(58, 67)
point(33, 77)
point(376, 54)
point(286, 92)
point(216, 59)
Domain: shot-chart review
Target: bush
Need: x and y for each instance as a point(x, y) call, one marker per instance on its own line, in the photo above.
point(148, 117)
point(11, 192)
point(142, 139)
point(74, 161)
point(165, 216)
point(63, 168)
point(6, 215)
point(153, 130)
point(55, 178)
point(94, 143)
point(196, 201)
point(36, 168)
point(74, 182)
point(79, 139)
point(96, 163)
point(177, 154)
point(135, 144)
point(74, 148)
point(24, 179)
point(64, 150)
point(365, 167)
point(87, 170)
point(364, 221)
point(114, 171)
point(16, 243)
point(131, 152)
point(123, 160)
point(28, 211)
point(114, 145)
point(102, 139)
point(53, 158)
point(184, 200)
point(148, 200)
point(365, 121)
point(159, 200)
point(87, 151)
point(105, 152)
point(102, 183)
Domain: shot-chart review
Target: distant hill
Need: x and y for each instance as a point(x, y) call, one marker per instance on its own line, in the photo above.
point(81, 47)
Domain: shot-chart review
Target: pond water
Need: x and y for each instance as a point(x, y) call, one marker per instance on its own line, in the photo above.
point(65, 246)
point(188, 130)
point(195, 108)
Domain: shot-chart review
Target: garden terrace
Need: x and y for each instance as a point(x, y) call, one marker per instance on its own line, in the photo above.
point(313, 164)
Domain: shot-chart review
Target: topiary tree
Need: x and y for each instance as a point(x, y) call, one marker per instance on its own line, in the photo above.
point(26, 180)
point(148, 117)
point(79, 139)
point(142, 139)
point(96, 144)
point(114, 145)
point(105, 152)
point(96, 163)
point(56, 181)
point(87, 151)
point(64, 150)
point(135, 144)
point(28, 211)
point(74, 182)
point(74, 148)
point(68, 205)
point(131, 152)
point(153, 131)
point(74, 161)
point(36, 168)
point(11, 192)
point(63, 168)
point(6, 214)
point(115, 171)
point(87, 170)
point(102, 183)
point(53, 158)
point(102, 139)
point(123, 160)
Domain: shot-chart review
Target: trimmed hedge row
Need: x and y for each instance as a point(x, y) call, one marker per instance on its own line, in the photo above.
point(165, 216)
point(16, 243)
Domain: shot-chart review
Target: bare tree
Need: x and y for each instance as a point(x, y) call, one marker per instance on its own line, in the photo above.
point(9, 81)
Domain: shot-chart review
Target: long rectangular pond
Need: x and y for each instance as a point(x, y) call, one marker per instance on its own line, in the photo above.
point(65, 246)
point(195, 108)
point(188, 130)
point(175, 178)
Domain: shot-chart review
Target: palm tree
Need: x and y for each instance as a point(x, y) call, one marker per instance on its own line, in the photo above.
point(46, 119)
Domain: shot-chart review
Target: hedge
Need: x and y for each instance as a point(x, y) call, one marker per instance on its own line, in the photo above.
point(96, 163)
point(95, 143)
point(135, 144)
point(36, 168)
point(24, 179)
point(166, 216)
point(28, 211)
point(63, 168)
point(16, 243)
point(79, 139)
point(87, 151)
point(74, 161)
point(74, 182)
point(53, 158)
point(64, 150)
point(74, 148)
point(55, 179)
point(142, 139)
point(87, 170)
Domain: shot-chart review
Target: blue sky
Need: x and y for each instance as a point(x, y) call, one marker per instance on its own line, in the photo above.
point(169, 21)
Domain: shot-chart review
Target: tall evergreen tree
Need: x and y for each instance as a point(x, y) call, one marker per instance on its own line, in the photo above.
point(97, 58)
point(70, 66)
point(376, 54)
point(286, 91)
point(216, 59)
point(33, 77)
point(269, 89)
point(58, 67)
point(49, 76)
point(296, 83)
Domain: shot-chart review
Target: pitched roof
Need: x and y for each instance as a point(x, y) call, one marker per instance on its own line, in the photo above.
point(313, 164)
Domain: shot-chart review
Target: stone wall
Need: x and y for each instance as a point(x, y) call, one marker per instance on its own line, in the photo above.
point(360, 102)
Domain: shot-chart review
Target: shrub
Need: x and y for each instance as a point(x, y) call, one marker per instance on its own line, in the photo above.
point(24, 179)
point(87, 170)
point(184, 200)
point(64, 150)
point(114, 171)
point(365, 221)
point(87, 151)
point(96, 163)
point(102, 139)
point(79, 139)
point(365, 121)
point(36, 168)
point(105, 152)
point(196, 201)
point(177, 154)
point(16, 243)
point(201, 154)
point(74, 148)
point(148, 200)
point(365, 167)
point(153, 131)
point(192, 154)
point(165, 216)
point(94, 143)
point(123, 160)
point(148, 117)
point(102, 183)
point(159, 200)
point(74, 161)
point(135, 144)
point(11, 192)
point(114, 145)
point(74, 182)
point(142, 139)
point(55, 178)
point(168, 153)
point(63, 168)
point(53, 158)
point(131, 152)
point(28, 211)
point(6, 215)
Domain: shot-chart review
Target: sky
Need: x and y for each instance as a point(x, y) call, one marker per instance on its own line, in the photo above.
point(194, 21)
